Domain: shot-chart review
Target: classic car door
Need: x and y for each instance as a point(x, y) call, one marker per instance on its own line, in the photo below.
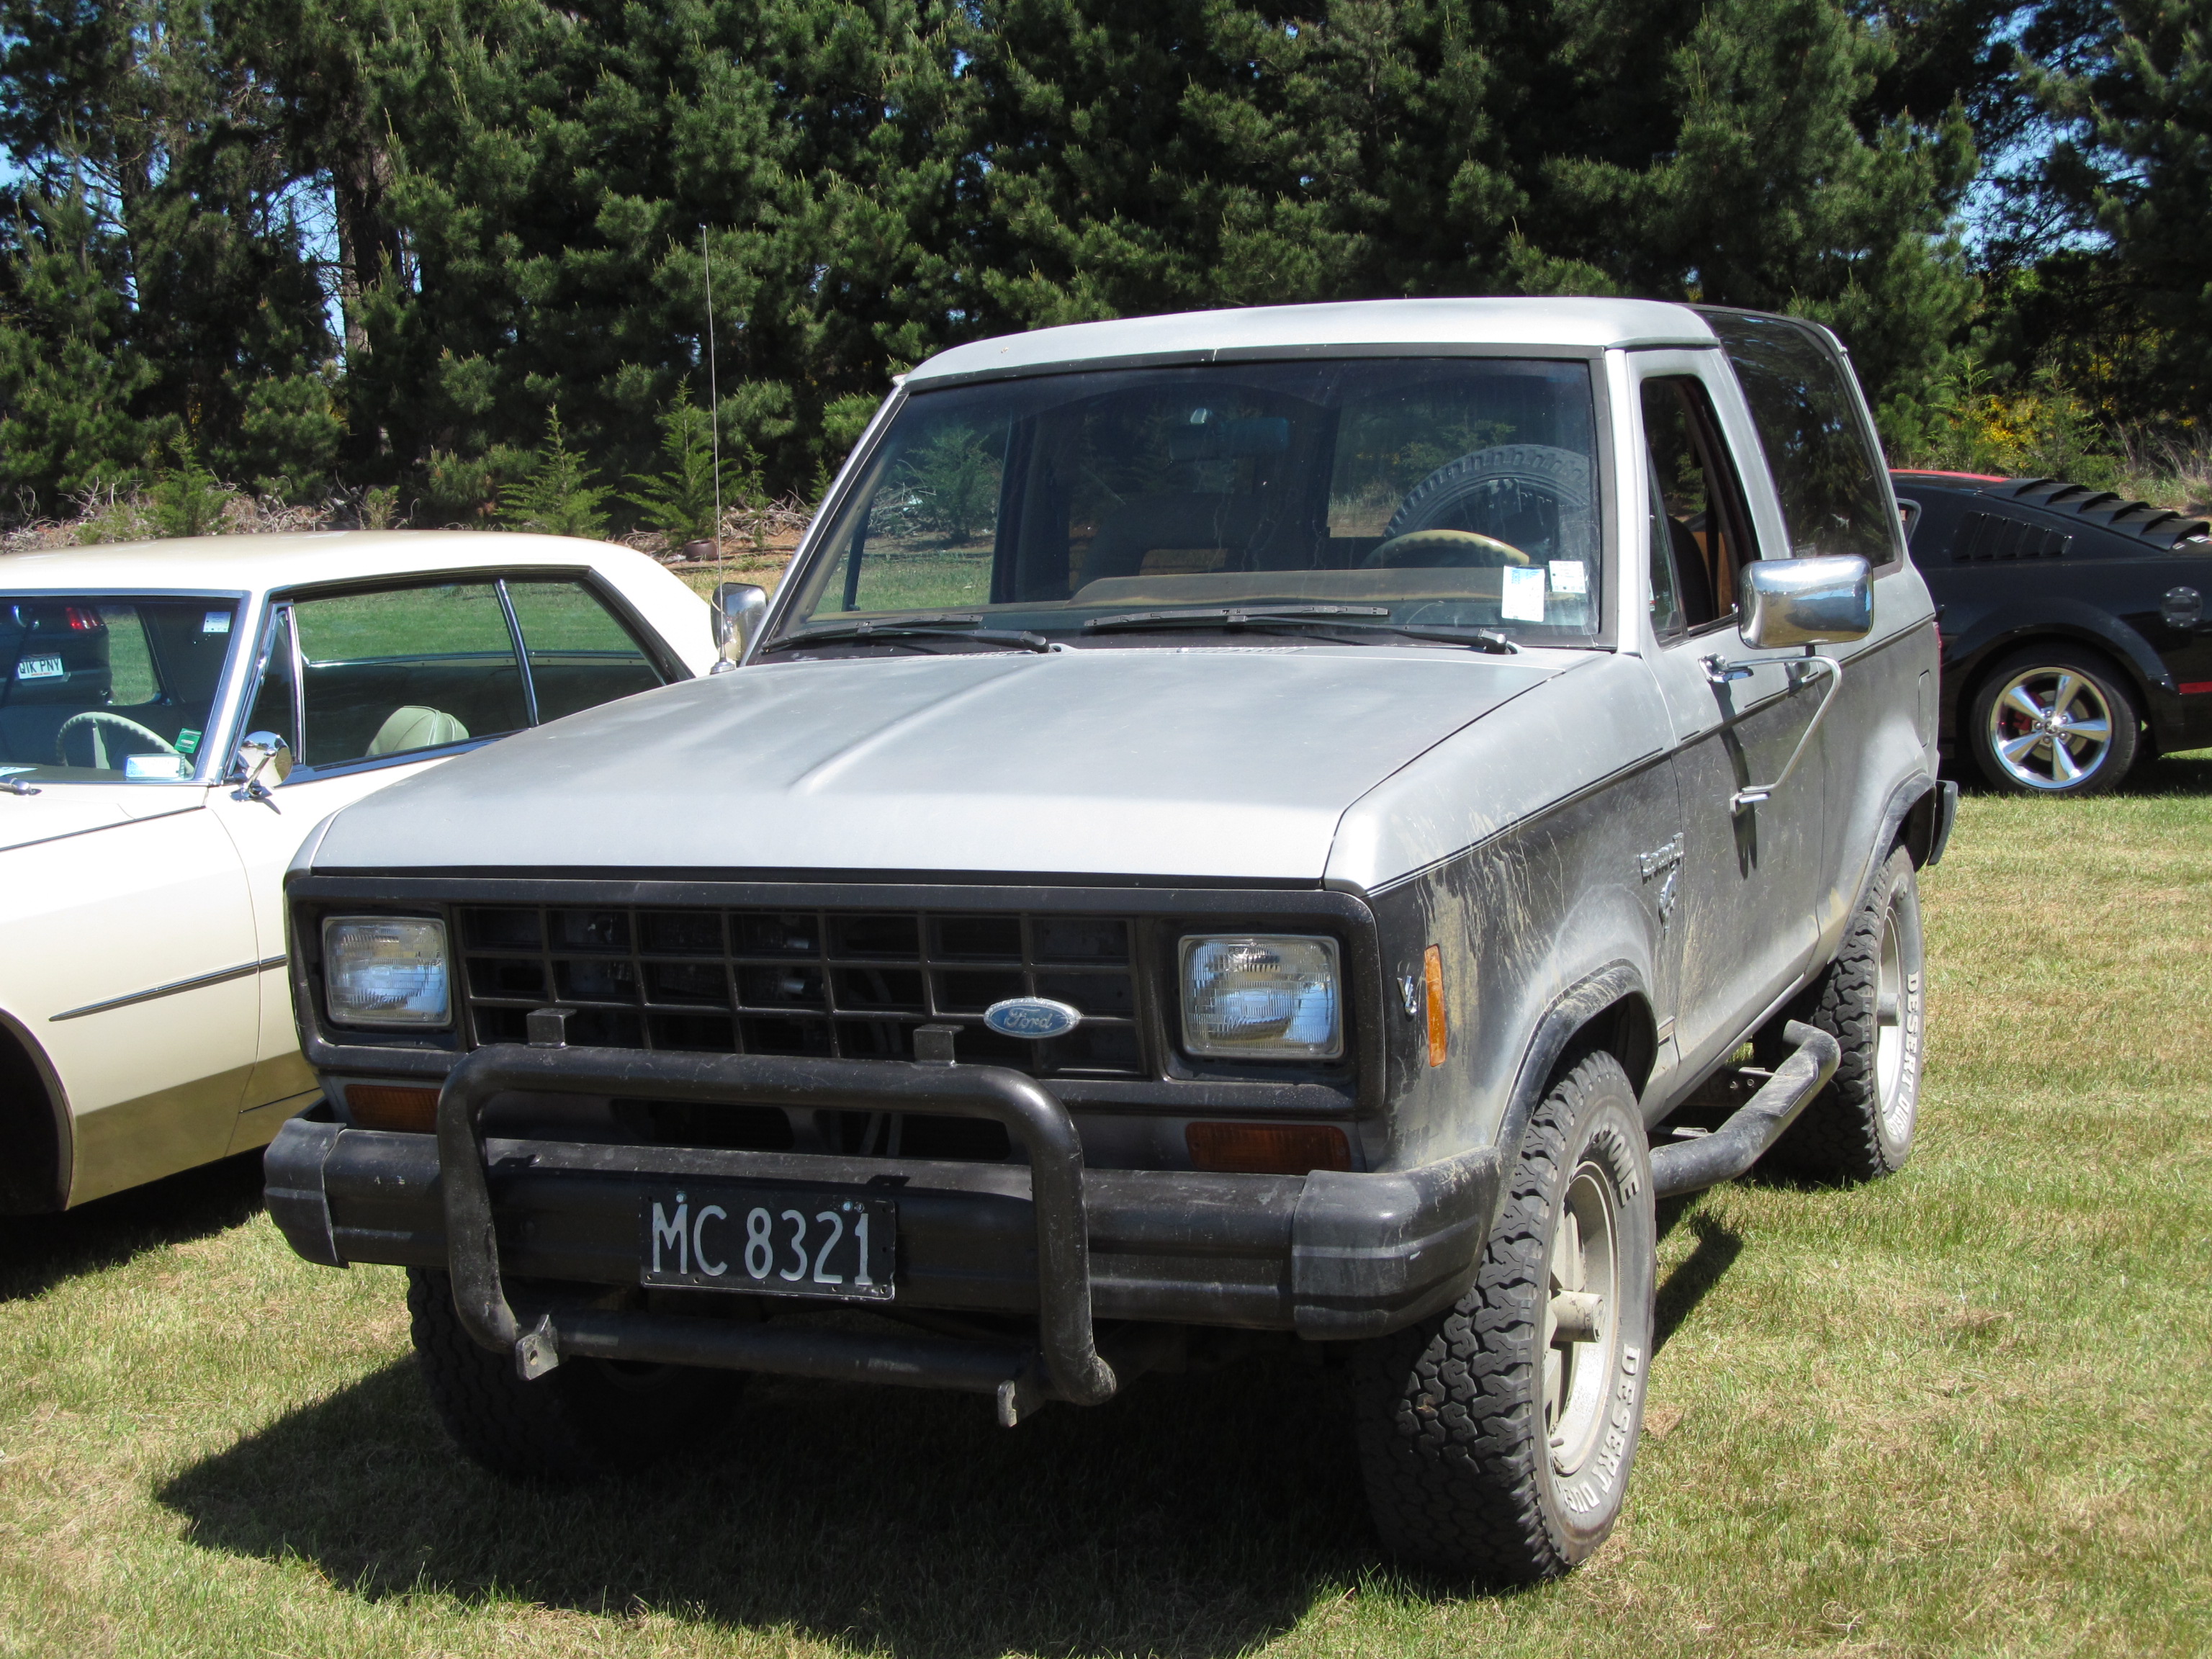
point(369, 687)
point(1742, 924)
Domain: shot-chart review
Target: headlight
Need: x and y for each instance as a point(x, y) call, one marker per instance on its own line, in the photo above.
point(1261, 996)
point(386, 971)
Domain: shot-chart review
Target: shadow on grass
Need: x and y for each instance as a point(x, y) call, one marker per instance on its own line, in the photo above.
point(1697, 1274)
point(1192, 1516)
point(38, 1252)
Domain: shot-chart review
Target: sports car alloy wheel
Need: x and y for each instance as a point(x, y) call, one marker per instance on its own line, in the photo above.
point(2050, 728)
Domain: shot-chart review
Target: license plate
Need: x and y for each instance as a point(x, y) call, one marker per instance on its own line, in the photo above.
point(39, 668)
point(770, 1240)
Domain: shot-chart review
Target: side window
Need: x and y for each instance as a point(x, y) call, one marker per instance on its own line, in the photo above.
point(1827, 470)
point(1697, 504)
point(405, 669)
point(1666, 595)
point(580, 654)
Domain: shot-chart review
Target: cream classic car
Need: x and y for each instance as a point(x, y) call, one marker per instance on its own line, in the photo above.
point(175, 717)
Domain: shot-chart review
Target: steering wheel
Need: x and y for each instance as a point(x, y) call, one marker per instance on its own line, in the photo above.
point(1421, 531)
point(1431, 548)
point(96, 717)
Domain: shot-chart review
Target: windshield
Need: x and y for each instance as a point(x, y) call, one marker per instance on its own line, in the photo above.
point(100, 688)
point(1428, 493)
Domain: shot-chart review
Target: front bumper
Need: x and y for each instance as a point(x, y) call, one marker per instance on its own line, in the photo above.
point(1328, 1255)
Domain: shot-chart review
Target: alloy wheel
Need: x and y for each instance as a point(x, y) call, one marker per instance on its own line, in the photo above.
point(2050, 728)
point(1582, 1325)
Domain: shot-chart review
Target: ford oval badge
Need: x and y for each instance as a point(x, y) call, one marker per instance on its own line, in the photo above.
point(1032, 1017)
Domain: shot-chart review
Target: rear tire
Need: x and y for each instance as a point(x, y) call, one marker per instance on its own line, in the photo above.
point(2054, 720)
point(1495, 1443)
point(1872, 999)
point(585, 1420)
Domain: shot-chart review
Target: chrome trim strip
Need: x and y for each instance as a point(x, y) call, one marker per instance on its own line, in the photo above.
point(102, 828)
point(220, 976)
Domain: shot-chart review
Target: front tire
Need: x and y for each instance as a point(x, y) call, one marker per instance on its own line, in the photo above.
point(1496, 1437)
point(583, 1420)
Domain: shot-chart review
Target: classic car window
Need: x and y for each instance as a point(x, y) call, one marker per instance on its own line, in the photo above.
point(1826, 467)
point(405, 669)
point(1444, 492)
point(580, 654)
point(98, 688)
point(1698, 501)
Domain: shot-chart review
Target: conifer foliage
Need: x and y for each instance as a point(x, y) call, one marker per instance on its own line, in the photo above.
point(367, 244)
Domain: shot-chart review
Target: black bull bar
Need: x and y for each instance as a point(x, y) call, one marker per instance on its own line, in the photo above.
point(1066, 1351)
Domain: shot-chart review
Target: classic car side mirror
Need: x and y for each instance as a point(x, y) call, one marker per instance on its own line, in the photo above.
point(1783, 602)
point(264, 757)
point(739, 608)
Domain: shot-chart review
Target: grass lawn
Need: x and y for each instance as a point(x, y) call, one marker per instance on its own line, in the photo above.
point(1964, 1411)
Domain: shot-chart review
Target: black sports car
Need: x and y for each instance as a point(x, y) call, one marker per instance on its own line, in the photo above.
point(2073, 627)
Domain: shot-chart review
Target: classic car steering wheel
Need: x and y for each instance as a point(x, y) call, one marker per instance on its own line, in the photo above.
point(1419, 532)
point(96, 717)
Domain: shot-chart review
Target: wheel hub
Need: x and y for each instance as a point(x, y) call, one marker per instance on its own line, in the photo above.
point(2050, 728)
point(1581, 1322)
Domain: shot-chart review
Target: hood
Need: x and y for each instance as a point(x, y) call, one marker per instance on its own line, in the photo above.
point(1212, 763)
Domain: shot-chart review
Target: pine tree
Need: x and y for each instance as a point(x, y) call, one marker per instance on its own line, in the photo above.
point(557, 497)
point(2136, 170)
point(680, 500)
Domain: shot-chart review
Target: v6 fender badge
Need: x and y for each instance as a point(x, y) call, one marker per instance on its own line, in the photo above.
point(1032, 1017)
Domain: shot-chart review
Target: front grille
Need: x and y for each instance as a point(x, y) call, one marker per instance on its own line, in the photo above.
point(850, 984)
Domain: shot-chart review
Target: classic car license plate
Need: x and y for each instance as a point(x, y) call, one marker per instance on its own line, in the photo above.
point(769, 1241)
point(39, 668)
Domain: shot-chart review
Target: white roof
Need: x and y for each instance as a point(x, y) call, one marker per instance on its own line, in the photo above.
point(1196, 335)
point(257, 563)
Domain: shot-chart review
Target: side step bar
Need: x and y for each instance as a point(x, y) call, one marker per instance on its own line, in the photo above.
point(1691, 1166)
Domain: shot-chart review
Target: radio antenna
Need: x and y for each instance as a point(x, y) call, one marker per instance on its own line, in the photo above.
point(713, 401)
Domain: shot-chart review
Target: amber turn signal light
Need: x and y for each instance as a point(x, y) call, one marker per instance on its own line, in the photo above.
point(1432, 973)
point(392, 1106)
point(1268, 1148)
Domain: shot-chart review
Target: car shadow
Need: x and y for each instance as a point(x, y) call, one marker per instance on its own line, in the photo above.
point(1192, 1516)
point(1695, 1275)
point(2171, 775)
point(38, 1252)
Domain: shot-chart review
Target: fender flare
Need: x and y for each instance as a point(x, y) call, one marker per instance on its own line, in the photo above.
point(1570, 1014)
point(2014, 626)
point(13, 1031)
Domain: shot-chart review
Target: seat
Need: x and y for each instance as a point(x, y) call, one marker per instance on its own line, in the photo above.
point(411, 726)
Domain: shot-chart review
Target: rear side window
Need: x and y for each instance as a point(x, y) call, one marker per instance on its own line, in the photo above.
point(408, 668)
point(1826, 468)
point(580, 656)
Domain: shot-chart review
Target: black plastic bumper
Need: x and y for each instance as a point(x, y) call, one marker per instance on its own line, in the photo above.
point(1328, 1254)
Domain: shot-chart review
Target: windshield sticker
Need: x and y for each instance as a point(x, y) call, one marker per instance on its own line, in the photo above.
point(216, 622)
point(187, 741)
point(1521, 598)
point(166, 769)
point(39, 668)
point(1570, 576)
point(10, 771)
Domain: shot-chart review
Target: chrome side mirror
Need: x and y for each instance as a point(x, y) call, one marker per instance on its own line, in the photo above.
point(263, 759)
point(1784, 602)
point(739, 608)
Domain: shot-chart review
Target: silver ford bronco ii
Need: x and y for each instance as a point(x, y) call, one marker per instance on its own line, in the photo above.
point(1293, 825)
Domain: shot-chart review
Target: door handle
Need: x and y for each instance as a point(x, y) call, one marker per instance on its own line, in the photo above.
point(1754, 794)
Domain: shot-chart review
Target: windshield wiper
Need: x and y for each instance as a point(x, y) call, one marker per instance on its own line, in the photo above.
point(1334, 618)
point(947, 627)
